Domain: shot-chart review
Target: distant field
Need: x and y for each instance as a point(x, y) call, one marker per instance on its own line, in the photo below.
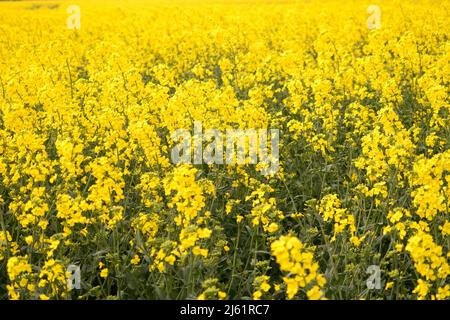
point(224, 149)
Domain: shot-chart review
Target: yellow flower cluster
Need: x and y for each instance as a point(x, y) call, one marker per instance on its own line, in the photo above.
point(7, 245)
point(386, 150)
point(431, 180)
point(263, 285)
point(53, 277)
point(211, 291)
point(429, 262)
point(264, 210)
point(330, 208)
point(21, 278)
point(303, 272)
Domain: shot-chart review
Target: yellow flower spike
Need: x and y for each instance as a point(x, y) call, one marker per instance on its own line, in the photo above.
point(257, 295)
point(294, 259)
point(104, 273)
point(136, 260)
